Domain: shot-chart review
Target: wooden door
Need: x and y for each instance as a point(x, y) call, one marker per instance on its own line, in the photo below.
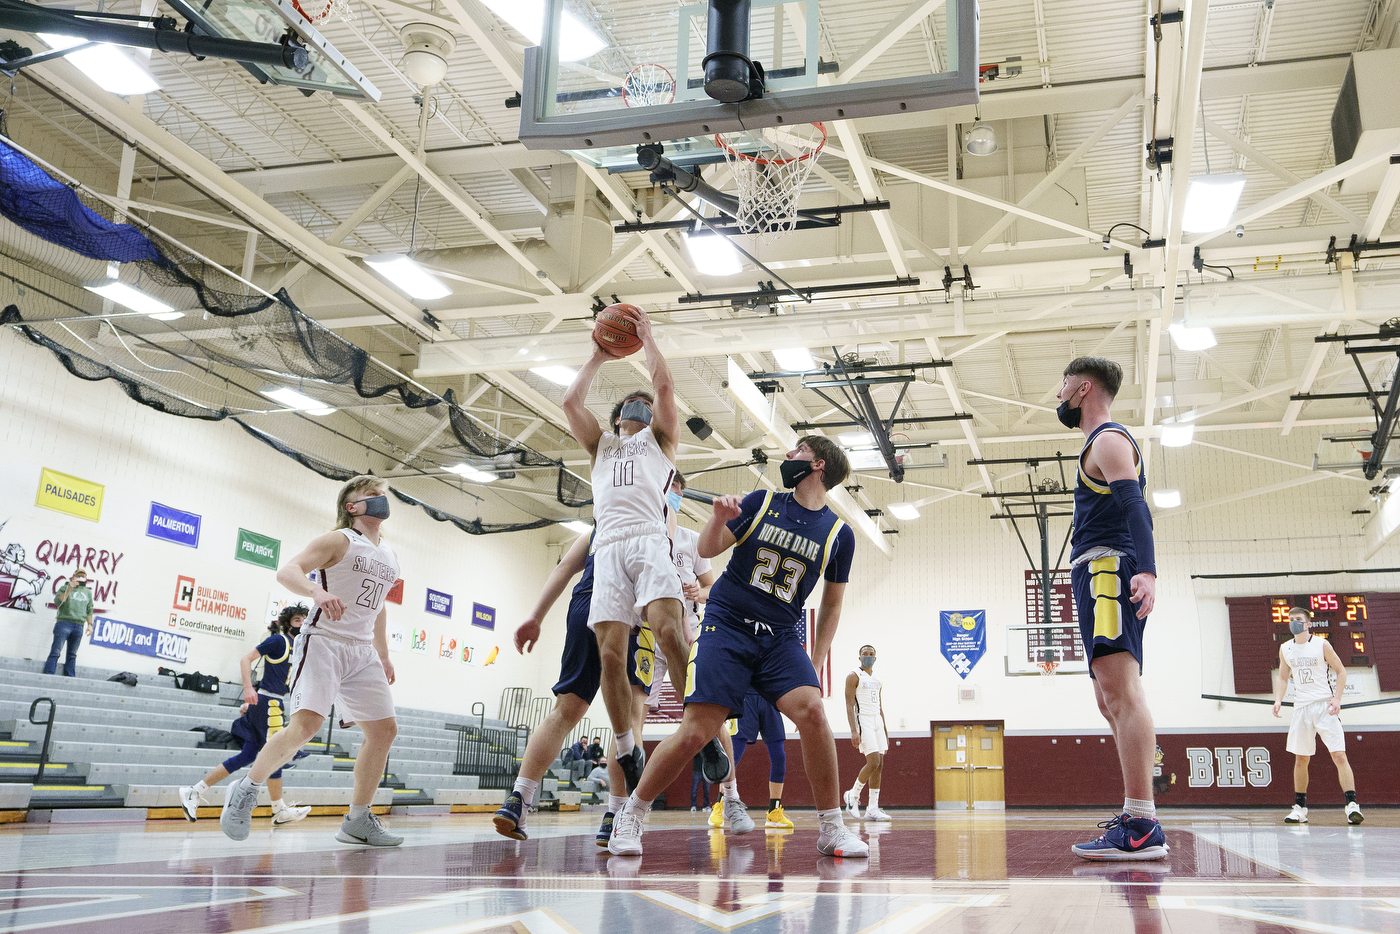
point(967, 766)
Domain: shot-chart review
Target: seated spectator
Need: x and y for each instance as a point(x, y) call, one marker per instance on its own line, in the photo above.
point(599, 775)
point(595, 750)
point(576, 757)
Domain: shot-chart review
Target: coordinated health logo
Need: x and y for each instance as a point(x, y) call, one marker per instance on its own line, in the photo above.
point(204, 601)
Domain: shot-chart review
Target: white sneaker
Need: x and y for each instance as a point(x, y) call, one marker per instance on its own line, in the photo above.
point(837, 840)
point(736, 816)
point(874, 813)
point(290, 815)
point(853, 803)
point(1299, 815)
point(190, 800)
point(1353, 813)
point(626, 839)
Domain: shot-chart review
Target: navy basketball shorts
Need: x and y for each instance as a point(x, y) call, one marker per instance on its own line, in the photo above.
point(252, 730)
point(580, 668)
point(760, 718)
point(1108, 620)
point(732, 655)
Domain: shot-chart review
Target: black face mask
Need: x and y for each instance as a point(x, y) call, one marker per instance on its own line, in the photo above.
point(794, 472)
point(377, 507)
point(1068, 417)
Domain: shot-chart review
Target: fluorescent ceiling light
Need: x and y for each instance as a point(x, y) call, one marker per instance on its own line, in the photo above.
point(1177, 436)
point(472, 473)
point(1211, 201)
point(408, 276)
point(296, 400)
point(794, 358)
point(559, 375)
point(167, 315)
point(1166, 499)
point(576, 41)
point(1191, 339)
point(577, 525)
point(904, 510)
point(108, 66)
point(856, 439)
point(713, 255)
point(122, 294)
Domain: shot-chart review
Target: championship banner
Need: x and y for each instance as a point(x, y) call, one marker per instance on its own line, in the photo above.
point(128, 637)
point(73, 495)
point(963, 638)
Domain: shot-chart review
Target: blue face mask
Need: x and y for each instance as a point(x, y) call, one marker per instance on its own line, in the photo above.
point(674, 501)
point(636, 411)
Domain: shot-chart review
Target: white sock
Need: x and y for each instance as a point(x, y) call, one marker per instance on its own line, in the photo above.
point(357, 811)
point(625, 743)
point(831, 816)
point(279, 805)
point(731, 791)
point(615, 802)
point(249, 780)
point(527, 790)
point(857, 788)
point(200, 788)
point(874, 798)
point(639, 807)
point(1136, 807)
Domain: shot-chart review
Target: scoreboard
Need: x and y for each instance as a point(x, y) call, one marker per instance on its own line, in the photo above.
point(1339, 618)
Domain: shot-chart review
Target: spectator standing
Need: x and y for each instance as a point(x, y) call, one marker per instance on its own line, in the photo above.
point(74, 618)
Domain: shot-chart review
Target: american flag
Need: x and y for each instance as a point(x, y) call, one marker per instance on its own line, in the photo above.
point(807, 629)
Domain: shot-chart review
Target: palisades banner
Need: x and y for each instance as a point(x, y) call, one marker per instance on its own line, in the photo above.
point(963, 638)
point(73, 495)
point(173, 525)
point(261, 550)
point(128, 637)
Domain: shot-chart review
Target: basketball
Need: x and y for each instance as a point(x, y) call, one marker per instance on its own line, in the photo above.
point(615, 332)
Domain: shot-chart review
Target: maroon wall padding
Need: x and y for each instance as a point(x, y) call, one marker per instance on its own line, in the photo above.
point(907, 780)
point(1055, 771)
point(1252, 644)
point(1383, 634)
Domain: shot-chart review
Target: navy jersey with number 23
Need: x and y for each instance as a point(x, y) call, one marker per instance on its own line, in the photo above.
point(781, 550)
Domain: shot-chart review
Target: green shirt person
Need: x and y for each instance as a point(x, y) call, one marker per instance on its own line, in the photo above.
point(75, 604)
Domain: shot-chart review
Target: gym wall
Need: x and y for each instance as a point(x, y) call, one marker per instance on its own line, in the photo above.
point(50, 419)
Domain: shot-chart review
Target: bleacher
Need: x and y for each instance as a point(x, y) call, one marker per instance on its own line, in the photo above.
point(115, 746)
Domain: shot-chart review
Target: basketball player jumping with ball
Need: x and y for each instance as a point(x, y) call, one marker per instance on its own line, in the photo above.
point(1114, 575)
point(633, 465)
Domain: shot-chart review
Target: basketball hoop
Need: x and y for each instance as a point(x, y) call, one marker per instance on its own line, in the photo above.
point(1047, 669)
point(648, 85)
point(770, 179)
point(320, 12)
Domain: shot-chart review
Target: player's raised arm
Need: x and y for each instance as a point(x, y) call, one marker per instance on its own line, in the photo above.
point(665, 423)
point(715, 537)
point(528, 632)
point(582, 424)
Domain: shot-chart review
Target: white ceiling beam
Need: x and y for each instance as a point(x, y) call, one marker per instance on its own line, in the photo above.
point(1053, 178)
point(450, 190)
point(478, 23)
point(1248, 494)
point(1384, 204)
point(1188, 98)
point(892, 32)
point(1259, 158)
point(870, 190)
point(120, 116)
point(1310, 370)
point(535, 189)
point(1278, 460)
point(1045, 310)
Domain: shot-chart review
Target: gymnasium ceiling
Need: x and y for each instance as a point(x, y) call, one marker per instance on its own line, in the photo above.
point(287, 188)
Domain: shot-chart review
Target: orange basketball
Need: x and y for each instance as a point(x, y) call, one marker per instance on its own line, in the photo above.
point(615, 332)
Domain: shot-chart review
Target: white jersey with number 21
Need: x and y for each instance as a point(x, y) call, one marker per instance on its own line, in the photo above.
point(361, 579)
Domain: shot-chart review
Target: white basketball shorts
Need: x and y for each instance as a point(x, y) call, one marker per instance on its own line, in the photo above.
point(872, 735)
point(327, 671)
point(629, 574)
point(1311, 721)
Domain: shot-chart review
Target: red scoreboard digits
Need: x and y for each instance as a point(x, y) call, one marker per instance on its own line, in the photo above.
point(1324, 602)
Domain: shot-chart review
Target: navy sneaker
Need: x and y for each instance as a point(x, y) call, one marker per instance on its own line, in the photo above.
point(510, 819)
point(632, 764)
point(714, 764)
point(1126, 837)
point(605, 831)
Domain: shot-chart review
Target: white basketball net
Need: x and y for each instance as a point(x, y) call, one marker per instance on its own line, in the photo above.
point(319, 11)
point(648, 86)
point(769, 174)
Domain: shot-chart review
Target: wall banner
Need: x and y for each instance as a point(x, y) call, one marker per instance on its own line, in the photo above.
point(257, 549)
point(447, 648)
point(963, 638)
point(173, 525)
point(419, 644)
point(73, 495)
point(128, 637)
point(439, 604)
point(483, 616)
point(397, 636)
